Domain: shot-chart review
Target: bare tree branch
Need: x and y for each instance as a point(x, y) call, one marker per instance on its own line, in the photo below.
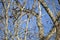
point(50, 33)
point(6, 26)
point(43, 3)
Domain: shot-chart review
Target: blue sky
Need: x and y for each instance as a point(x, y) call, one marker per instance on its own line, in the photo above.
point(46, 21)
